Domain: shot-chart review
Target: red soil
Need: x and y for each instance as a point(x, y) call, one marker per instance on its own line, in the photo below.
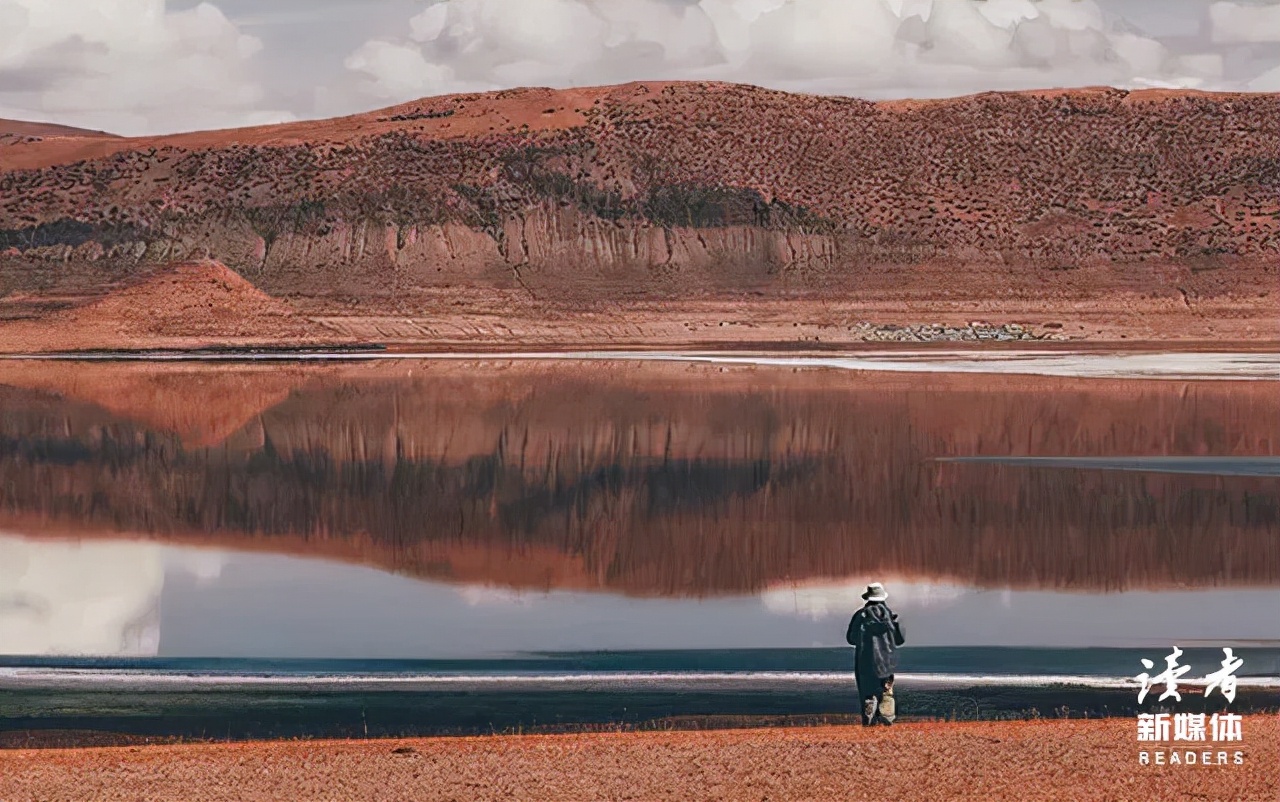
point(472, 115)
point(1073, 761)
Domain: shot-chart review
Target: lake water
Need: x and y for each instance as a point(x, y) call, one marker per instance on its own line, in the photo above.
point(681, 516)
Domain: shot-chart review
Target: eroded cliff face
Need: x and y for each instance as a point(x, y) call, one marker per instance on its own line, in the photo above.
point(649, 479)
point(672, 190)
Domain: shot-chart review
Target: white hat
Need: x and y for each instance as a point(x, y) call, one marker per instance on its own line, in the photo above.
point(875, 592)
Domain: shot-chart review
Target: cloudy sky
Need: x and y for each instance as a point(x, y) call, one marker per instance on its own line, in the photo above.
point(150, 66)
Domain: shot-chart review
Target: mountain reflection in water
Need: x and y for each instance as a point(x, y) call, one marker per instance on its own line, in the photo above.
point(648, 479)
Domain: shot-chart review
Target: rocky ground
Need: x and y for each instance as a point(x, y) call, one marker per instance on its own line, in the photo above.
point(937, 332)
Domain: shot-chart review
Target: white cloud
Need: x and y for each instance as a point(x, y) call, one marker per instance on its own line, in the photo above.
point(490, 596)
point(128, 66)
point(1232, 23)
point(871, 48)
point(818, 600)
point(90, 598)
point(205, 566)
point(397, 71)
point(1269, 81)
point(140, 66)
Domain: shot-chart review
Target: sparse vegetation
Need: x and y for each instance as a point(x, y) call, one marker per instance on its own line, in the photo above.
point(1041, 183)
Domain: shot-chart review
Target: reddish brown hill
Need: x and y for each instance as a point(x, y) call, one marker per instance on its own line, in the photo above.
point(24, 128)
point(1028, 206)
point(182, 305)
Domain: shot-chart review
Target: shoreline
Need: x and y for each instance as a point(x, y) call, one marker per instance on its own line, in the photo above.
point(1098, 362)
point(71, 714)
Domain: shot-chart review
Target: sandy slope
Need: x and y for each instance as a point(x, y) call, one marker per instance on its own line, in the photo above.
point(184, 305)
point(19, 129)
point(1080, 761)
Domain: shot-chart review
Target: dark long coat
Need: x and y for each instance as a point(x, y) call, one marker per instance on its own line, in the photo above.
point(875, 634)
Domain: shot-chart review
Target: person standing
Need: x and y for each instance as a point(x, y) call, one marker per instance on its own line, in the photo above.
point(875, 635)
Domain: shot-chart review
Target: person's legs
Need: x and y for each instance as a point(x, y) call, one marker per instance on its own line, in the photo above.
point(869, 702)
point(887, 707)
